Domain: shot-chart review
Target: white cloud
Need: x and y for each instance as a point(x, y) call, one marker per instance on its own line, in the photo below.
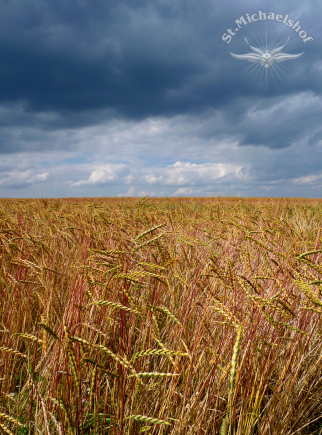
point(180, 155)
point(143, 193)
point(19, 179)
point(130, 192)
point(186, 191)
point(178, 174)
point(112, 173)
point(190, 173)
point(307, 180)
point(38, 178)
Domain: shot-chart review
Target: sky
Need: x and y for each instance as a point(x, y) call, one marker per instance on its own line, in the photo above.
point(135, 97)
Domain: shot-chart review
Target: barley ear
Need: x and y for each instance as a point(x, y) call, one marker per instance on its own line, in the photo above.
point(67, 415)
point(92, 388)
point(50, 331)
point(234, 360)
point(223, 428)
point(147, 419)
point(44, 336)
point(233, 378)
point(72, 360)
point(11, 419)
point(6, 429)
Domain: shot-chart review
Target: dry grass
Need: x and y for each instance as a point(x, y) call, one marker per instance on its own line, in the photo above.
point(181, 316)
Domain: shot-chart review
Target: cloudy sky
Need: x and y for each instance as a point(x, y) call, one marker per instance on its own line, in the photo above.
point(137, 97)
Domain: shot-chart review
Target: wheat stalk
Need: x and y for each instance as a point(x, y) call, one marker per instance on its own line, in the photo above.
point(115, 305)
point(149, 231)
point(157, 352)
point(6, 429)
point(14, 352)
point(155, 374)
point(146, 419)
point(11, 419)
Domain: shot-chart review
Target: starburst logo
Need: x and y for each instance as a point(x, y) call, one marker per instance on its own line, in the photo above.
point(267, 57)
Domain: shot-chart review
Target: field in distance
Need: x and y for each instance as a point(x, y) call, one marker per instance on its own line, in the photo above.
point(181, 316)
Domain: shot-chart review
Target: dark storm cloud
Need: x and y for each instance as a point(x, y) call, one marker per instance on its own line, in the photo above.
point(66, 64)
point(135, 57)
point(90, 55)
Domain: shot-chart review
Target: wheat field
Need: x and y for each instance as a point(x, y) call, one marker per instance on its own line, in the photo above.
point(163, 316)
